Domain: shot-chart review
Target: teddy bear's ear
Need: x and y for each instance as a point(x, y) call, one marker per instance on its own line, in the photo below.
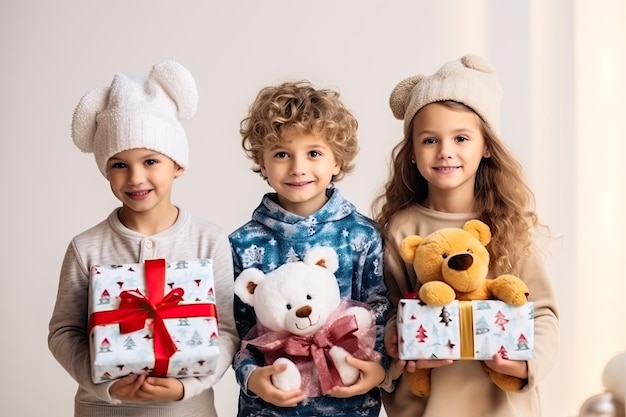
point(323, 256)
point(246, 284)
point(408, 246)
point(479, 230)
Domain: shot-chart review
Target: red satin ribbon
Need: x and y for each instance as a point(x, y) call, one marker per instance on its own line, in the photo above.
point(415, 295)
point(341, 333)
point(135, 308)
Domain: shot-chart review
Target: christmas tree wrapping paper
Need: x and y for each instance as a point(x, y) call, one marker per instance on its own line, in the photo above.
point(472, 330)
point(154, 318)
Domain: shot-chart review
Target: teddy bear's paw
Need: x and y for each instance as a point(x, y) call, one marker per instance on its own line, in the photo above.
point(436, 293)
point(348, 373)
point(363, 317)
point(419, 382)
point(289, 379)
point(505, 382)
point(510, 289)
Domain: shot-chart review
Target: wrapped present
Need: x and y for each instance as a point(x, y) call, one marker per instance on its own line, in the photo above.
point(154, 318)
point(465, 330)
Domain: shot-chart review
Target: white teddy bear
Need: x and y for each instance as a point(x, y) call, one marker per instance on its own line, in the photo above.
point(303, 322)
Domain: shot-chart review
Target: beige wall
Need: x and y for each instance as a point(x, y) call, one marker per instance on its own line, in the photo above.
point(54, 51)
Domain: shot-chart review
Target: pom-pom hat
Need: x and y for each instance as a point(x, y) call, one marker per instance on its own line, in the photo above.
point(469, 80)
point(137, 112)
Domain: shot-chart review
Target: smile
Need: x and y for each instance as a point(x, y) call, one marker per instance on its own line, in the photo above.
point(138, 194)
point(298, 184)
point(311, 323)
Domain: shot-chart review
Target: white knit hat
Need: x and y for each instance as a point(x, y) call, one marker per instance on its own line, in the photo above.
point(469, 80)
point(138, 112)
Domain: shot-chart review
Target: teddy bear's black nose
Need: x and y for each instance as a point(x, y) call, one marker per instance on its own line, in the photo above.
point(304, 311)
point(461, 262)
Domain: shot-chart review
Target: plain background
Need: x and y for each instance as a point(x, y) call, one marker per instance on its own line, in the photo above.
point(560, 63)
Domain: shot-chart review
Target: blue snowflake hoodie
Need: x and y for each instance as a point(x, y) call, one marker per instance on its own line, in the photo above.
point(275, 236)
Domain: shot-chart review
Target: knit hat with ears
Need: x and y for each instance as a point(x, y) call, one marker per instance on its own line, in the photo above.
point(469, 80)
point(137, 112)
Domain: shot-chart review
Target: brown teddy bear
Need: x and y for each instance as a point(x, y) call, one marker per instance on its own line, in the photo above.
point(453, 263)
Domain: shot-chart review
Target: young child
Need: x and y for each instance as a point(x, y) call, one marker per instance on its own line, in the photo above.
point(134, 130)
point(301, 140)
point(451, 167)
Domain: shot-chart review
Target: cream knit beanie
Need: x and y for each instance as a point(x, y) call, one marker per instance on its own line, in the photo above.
point(137, 112)
point(469, 80)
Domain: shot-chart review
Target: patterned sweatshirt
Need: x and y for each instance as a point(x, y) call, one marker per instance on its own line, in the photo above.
point(275, 236)
point(110, 242)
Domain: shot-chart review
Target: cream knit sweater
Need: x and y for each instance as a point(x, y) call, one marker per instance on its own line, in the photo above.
point(111, 242)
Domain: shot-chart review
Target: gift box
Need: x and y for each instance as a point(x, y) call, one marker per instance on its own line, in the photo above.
point(465, 330)
point(154, 318)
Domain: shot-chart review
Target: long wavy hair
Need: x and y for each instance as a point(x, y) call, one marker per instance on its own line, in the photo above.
point(502, 198)
point(299, 107)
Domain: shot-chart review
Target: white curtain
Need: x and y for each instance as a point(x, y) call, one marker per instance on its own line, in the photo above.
point(599, 331)
point(578, 61)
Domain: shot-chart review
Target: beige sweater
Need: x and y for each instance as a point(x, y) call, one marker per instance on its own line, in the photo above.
point(109, 243)
point(463, 389)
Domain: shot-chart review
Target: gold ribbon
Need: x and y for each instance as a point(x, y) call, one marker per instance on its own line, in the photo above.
point(466, 322)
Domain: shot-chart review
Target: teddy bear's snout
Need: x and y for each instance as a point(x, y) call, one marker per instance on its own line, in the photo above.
point(304, 311)
point(461, 262)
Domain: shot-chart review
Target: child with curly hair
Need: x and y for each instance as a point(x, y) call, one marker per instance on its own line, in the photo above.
point(301, 140)
point(450, 167)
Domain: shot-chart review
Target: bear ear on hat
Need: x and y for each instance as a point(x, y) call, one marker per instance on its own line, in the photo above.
point(401, 95)
point(84, 118)
point(477, 63)
point(179, 84)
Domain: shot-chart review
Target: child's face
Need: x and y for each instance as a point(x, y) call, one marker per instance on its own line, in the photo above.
point(142, 179)
point(299, 169)
point(448, 147)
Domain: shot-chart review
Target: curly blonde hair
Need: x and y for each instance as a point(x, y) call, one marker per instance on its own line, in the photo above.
point(299, 107)
point(502, 200)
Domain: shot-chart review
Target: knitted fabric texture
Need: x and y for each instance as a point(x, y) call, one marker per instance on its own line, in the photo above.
point(469, 80)
point(137, 112)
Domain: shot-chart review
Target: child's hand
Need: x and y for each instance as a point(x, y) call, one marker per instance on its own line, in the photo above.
point(411, 366)
point(260, 383)
point(391, 341)
point(372, 374)
point(517, 369)
point(161, 389)
point(126, 388)
point(396, 369)
point(398, 365)
point(147, 388)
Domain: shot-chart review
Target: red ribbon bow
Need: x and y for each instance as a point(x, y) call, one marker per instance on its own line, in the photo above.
point(135, 308)
point(341, 333)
